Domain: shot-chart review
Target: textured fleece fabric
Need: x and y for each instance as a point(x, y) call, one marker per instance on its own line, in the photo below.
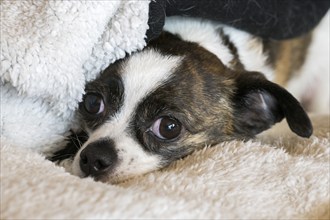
point(49, 50)
point(278, 176)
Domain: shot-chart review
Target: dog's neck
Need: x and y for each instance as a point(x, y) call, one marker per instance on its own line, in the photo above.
point(233, 47)
point(279, 61)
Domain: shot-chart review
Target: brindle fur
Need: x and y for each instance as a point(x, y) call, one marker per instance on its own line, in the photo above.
point(235, 63)
point(287, 56)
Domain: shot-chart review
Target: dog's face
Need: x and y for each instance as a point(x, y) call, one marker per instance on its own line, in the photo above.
point(174, 97)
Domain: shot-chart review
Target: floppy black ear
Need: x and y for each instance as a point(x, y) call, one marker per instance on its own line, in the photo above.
point(259, 103)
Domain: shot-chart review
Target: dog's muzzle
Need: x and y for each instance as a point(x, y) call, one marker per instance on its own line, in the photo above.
point(98, 158)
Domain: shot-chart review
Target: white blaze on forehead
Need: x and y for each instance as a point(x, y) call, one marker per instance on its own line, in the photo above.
point(141, 74)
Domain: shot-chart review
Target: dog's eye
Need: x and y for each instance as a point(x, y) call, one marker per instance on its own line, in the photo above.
point(93, 103)
point(166, 128)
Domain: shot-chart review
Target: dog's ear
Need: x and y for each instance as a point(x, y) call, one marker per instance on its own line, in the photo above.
point(259, 103)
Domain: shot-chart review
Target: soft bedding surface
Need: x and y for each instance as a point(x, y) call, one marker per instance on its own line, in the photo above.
point(278, 175)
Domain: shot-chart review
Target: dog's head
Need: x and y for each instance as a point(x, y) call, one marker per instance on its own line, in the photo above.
point(159, 105)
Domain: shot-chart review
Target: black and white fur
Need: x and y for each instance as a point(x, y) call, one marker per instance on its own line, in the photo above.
point(199, 83)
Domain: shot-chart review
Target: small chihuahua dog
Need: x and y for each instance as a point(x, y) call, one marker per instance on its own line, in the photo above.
point(198, 84)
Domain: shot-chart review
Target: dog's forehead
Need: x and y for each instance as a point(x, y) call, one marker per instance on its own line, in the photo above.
point(144, 72)
point(141, 74)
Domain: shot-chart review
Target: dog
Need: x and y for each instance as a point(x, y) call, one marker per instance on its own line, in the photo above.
point(198, 84)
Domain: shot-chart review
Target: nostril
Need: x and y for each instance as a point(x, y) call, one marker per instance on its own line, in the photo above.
point(100, 165)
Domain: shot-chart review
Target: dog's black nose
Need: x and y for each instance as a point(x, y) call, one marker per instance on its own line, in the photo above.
point(98, 158)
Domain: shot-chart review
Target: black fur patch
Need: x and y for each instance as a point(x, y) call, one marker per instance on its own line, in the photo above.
point(76, 140)
point(109, 85)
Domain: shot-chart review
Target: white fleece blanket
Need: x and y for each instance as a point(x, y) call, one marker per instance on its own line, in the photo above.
point(49, 49)
point(279, 176)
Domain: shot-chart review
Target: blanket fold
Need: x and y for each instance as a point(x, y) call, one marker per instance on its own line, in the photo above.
point(49, 49)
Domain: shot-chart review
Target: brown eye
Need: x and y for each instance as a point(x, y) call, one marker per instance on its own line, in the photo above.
point(166, 128)
point(93, 103)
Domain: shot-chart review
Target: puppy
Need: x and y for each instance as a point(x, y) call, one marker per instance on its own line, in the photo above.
point(198, 84)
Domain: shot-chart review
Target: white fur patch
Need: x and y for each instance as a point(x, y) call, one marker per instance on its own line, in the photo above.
point(202, 32)
point(141, 74)
point(249, 48)
point(312, 81)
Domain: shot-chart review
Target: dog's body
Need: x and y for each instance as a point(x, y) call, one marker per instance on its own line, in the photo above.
point(198, 84)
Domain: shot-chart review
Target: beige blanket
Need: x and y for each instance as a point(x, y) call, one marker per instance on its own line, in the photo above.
point(278, 175)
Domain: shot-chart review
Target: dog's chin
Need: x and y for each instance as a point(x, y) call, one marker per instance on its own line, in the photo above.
point(113, 179)
point(106, 178)
point(109, 178)
point(66, 164)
